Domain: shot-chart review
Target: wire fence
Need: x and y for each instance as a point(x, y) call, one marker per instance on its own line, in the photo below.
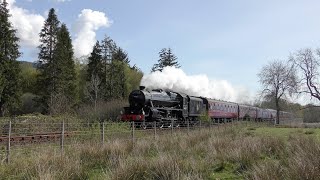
point(23, 137)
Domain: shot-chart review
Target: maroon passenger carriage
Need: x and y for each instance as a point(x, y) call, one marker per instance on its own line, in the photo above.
point(221, 111)
point(247, 112)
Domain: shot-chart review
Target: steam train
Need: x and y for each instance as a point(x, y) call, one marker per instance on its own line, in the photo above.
point(165, 107)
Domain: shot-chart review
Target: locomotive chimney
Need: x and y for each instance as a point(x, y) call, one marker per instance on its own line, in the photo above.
point(142, 87)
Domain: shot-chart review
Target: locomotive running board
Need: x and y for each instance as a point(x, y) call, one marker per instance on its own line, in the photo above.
point(168, 109)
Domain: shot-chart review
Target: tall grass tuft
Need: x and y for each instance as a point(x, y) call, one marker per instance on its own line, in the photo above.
point(266, 170)
point(304, 161)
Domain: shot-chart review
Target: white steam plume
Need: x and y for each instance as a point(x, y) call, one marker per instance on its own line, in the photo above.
point(196, 85)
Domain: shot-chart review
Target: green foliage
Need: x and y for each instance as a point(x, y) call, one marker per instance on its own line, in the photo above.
point(102, 111)
point(48, 39)
point(95, 76)
point(117, 73)
point(133, 78)
point(120, 55)
point(205, 117)
point(63, 57)
point(29, 76)
point(47, 67)
point(81, 74)
point(311, 114)
point(10, 77)
point(57, 79)
point(109, 76)
point(117, 79)
point(167, 58)
point(28, 105)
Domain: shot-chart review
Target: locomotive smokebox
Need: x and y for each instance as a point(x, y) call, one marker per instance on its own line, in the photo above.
point(142, 88)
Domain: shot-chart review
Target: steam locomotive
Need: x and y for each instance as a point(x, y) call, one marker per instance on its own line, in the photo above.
point(165, 107)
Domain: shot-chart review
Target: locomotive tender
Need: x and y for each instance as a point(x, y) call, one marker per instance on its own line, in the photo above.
point(166, 107)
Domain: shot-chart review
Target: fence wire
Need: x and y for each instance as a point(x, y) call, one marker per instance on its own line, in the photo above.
point(17, 137)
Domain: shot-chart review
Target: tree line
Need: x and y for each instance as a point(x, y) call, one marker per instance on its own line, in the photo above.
point(59, 82)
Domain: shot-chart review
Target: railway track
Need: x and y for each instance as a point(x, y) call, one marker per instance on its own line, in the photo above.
point(33, 138)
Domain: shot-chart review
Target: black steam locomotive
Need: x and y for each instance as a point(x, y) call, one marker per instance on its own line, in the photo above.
point(166, 107)
point(162, 106)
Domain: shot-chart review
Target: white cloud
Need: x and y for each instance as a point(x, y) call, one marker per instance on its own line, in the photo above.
point(87, 23)
point(28, 24)
point(196, 85)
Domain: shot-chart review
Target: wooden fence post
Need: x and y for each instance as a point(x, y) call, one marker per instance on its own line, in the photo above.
point(155, 129)
point(102, 134)
point(188, 124)
point(9, 143)
point(171, 126)
point(62, 137)
point(132, 132)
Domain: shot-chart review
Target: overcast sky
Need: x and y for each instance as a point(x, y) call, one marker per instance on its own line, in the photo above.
point(226, 40)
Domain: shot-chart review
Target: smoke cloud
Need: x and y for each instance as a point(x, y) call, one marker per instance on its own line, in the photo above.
point(196, 85)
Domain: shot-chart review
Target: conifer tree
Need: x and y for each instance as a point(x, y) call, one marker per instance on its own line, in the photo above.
point(108, 48)
point(63, 60)
point(10, 89)
point(95, 64)
point(47, 80)
point(120, 55)
point(120, 61)
point(167, 58)
point(96, 73)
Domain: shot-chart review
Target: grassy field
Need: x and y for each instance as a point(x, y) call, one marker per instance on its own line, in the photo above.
point(243, 151)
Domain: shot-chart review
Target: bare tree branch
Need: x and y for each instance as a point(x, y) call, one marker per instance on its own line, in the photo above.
point(308, 62)
point(278, 80)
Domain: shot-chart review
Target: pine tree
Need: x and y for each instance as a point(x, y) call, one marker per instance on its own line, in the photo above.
point(120, 55)
point(167, 58)
point(118, 79)
point(10, 89)
point(63, 60)
point(48, 77)
point(119, 63)
point(96, 73)
point(95, 64)
point(108, 47)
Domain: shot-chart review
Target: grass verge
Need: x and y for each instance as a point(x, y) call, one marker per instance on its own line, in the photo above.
point(233, 152)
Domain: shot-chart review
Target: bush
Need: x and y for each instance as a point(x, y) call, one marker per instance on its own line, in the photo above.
point(105, 111)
